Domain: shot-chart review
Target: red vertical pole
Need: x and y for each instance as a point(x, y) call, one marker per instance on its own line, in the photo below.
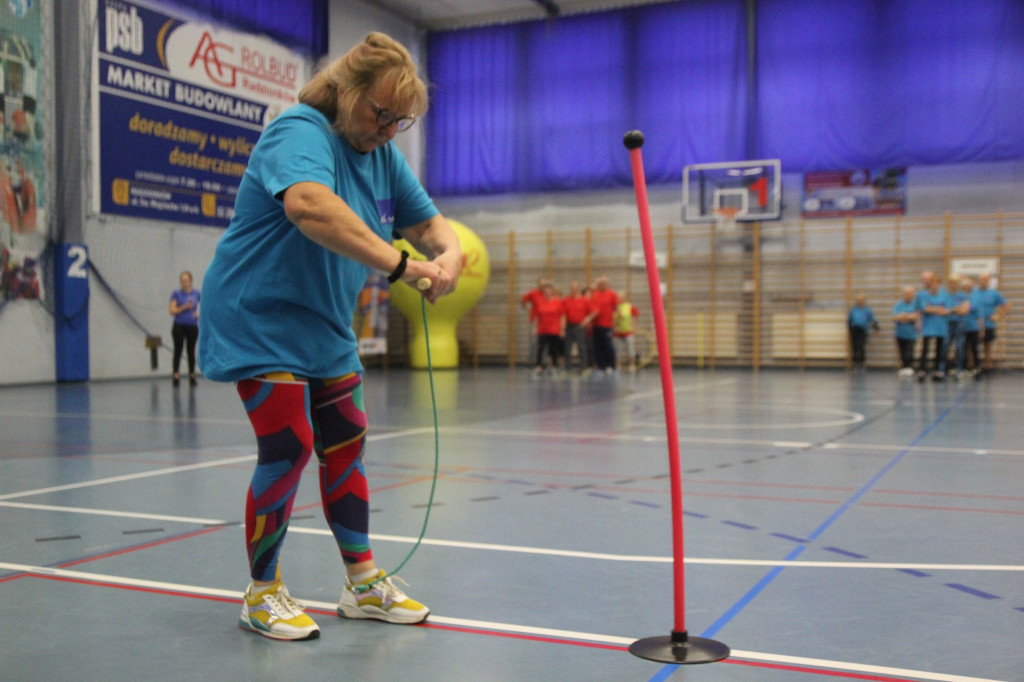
point(665, 363)
point(678, 647)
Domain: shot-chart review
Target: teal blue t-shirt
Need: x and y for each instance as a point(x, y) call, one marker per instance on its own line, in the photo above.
point(274, 300)
point(932, 324)
point(905, 330)
point(860, 316)
point(988, 301)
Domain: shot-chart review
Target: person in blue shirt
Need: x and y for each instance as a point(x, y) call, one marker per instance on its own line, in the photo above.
point(906, 316)
point(972, 325)
point(933, 304)
point(958, 308)
point(992, 308)
point(859, 321)
point(324, 193)
point(184, 307)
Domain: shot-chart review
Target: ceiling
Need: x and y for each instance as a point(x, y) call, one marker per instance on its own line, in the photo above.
point(449, 14)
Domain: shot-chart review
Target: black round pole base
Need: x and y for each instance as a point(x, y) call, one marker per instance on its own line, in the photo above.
point(679, 648)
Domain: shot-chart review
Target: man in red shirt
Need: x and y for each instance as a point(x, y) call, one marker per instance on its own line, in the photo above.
point(603, 302)
point(550, 327)
point(577, 307)
point(529, 301)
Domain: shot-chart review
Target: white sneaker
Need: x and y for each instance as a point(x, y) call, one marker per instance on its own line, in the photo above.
point(381, 600)
point(275, 614)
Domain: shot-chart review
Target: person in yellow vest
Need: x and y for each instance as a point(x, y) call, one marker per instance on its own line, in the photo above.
point(622, 332)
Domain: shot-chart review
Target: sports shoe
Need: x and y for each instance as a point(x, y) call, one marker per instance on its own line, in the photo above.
point(274, 613)
point(382, 601)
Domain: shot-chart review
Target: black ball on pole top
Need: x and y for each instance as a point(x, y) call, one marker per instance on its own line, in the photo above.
point(634, 139)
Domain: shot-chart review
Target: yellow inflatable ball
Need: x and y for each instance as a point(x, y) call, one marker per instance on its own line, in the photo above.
point(443, 317)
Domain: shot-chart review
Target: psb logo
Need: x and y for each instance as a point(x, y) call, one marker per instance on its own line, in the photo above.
point(124, 30)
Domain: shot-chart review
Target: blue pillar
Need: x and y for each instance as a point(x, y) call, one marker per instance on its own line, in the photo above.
point(71, 308)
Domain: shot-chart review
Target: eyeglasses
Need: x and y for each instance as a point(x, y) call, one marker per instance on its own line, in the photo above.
point(385, 118)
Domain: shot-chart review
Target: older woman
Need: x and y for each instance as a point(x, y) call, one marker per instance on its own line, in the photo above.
point(325, 192)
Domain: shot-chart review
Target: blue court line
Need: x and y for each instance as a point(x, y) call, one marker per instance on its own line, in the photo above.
point(667, 671)
point(852, 555)
point(971, 591)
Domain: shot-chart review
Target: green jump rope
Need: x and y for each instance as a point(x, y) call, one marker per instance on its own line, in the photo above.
point(359, 589)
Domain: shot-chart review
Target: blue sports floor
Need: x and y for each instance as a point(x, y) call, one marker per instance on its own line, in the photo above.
point(837, 527)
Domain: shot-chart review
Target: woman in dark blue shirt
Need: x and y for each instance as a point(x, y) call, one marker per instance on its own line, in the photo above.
point(184, 306)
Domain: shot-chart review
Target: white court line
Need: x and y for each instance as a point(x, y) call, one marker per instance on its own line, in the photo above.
point(685, 387)
point(110, 512)
point(121, 417)
point(184, 468)
point(517, 549)
point(849, 418)
point(129, 477)
point(579, 435)
point(42, 571)
point(926, 449)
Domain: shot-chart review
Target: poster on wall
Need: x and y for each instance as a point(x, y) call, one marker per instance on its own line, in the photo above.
point(371, 318)
point(22, 213)
point(179, 107)
point(834, 194)
point(976, 267)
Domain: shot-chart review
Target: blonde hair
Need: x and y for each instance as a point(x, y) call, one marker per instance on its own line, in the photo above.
point(378, 58)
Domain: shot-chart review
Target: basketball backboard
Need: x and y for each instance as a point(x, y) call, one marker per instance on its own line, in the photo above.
point(752, 188)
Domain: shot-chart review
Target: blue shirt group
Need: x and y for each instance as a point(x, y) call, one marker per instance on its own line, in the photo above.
point(275, 299)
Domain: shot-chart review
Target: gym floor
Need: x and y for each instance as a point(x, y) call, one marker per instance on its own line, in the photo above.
point(837, 526)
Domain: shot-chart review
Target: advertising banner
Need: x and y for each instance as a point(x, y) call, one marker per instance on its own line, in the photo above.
point(833, 194)
point(179, 107)
point(22, 211)
point(371, 318)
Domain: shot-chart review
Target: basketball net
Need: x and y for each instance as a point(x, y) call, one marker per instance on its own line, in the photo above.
point(725, 218)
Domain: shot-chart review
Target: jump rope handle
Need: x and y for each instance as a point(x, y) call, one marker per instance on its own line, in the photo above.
point(424, 283)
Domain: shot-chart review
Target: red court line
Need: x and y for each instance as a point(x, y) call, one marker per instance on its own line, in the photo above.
point(930, 507)
point(969, 496)
point(124, 550)
point(136, 588)
point(530, 638)
point(471, 631)
point(818, 671)
point(136, 548)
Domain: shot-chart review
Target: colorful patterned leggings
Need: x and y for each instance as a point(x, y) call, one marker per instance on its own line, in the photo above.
point(292, 418)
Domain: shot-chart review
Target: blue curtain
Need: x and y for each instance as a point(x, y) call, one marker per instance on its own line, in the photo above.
point(542, 106)
point(299, 24)
point(691, 86)
point(853, 84)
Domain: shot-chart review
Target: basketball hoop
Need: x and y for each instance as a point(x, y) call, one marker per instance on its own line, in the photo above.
point(725, 218)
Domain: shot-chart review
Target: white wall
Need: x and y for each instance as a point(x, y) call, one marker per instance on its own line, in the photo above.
point(931, 191)
point(350, 21)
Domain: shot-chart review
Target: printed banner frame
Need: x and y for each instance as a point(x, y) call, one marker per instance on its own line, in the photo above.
point(178, 106)
point(859, 192)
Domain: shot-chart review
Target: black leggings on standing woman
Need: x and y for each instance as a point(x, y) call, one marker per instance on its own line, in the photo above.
point(185, 336)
